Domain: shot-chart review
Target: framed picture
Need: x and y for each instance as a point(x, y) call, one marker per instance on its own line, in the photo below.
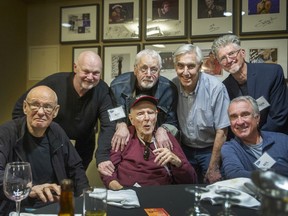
point(118, 59)
point(166, 51)
point(210, 63)
point(121, 20)
point(207, 22)
point(260, 16)
point(79, 23)
point(267, 51)
point(165, 19)
point(77, 50)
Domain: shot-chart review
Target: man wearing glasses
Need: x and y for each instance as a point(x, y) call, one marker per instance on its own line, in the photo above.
point(142, 162)
point(263, 82)
point(145, 79)
point(202, 113)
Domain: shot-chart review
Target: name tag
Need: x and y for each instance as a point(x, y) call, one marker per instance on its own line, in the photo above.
point(116, 113)
point(262, 103)
point(265, 162)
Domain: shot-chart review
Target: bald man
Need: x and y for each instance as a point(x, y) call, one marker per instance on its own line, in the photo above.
point(84, 99)
point(36, 139)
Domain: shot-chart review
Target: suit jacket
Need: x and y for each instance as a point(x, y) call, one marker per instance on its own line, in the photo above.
point(265, 80)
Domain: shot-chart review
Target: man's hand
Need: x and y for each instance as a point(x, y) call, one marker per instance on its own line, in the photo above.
point(46, 192)
point(115, 185)
point(106, 168)
point(162, 139)
point(121, 137)
point(212, 175)
point(165, 156)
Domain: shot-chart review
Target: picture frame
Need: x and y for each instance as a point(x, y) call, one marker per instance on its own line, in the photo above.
point(267, 51)
point(210, 63)
point(170, 24)
point(221, 22)
point(77, 50)
point(79, 23)
point(273, 22)
point(166, 51)
point(121, 20)
point(118, 59)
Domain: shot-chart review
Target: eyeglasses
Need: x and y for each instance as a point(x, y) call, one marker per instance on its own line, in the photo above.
point(244, 116)
point(232, 55)
point(181, 67)
point(145, 69)
point(146, 153)
point(47, 108)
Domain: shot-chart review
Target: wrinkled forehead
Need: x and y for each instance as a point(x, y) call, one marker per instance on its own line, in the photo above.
point(143, 106)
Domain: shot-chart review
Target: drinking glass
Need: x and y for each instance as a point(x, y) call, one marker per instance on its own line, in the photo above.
point(17, 182)
point(197, 209)
point(227, 199)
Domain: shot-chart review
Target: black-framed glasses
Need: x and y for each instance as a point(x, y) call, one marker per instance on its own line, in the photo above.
point(232, 55)
point(35, 106)
point(146, 153)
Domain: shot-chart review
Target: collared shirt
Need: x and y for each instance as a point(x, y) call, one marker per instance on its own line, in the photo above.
point(202, 112)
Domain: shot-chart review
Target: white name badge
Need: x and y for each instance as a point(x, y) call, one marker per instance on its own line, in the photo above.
point(116, 113)
point(265, 162)
point(262, 103)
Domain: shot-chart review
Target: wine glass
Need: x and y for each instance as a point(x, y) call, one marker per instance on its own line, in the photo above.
point(17, 182)
point(197, 209)
point(227, 199)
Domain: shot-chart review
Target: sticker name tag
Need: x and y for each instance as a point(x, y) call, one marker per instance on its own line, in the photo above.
point(265, 162)
point(116, 113)
point(262, 103)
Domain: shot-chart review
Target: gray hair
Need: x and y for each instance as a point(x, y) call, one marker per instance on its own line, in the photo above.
point(249, 100)
point(188, 48)
point(149, 52)
point(224, 41)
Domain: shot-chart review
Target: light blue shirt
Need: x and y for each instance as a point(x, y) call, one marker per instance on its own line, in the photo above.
point(203, 111)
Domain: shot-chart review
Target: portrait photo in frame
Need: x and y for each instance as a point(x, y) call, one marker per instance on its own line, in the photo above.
point(77, 50)
point(267, 51)
point(206, 22)
point(118, 59)
point(165, 19)
point(121, 20)
point(210, 63)
point(79, 23)
point(166, 51)
point(255, 19)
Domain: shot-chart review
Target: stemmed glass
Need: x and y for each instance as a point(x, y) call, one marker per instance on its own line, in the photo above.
point(17, 182)
point(227, 199)
point(197, 209)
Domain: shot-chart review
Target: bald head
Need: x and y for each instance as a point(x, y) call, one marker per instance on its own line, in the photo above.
point(89, 58)
point(42, 92)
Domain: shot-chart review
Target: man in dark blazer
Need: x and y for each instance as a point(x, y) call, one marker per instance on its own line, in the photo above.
point(264, 82)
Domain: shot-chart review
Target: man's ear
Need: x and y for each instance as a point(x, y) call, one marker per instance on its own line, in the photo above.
point(24, 107)
point(131, 118)
point(55, 113)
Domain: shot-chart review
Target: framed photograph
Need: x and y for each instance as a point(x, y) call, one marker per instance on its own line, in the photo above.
point(121, 20)
point(166, 51)
point(267, 51)
point(206, 22)
point(77, 50)
point(210, 63)
point(259, 16)
point(118, 59)
point(165, 19)
point(79, 23)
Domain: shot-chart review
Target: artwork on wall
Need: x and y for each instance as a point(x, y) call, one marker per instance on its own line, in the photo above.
point(165, 19)
point(77, 50)
point(211, 22)
point(79, 23)
point(166, 51)
point(118, 59)
point(121, 20)
point(260, 17)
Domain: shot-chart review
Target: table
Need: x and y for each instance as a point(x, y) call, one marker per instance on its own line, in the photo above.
point(173, 198)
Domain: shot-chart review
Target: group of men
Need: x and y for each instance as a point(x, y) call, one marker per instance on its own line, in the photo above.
point(169, 132)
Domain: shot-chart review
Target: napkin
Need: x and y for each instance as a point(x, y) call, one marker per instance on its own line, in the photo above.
point(237, 184)
point(123, 198)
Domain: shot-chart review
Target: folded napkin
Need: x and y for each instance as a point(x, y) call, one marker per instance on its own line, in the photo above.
point(236, 184)
point(123, 198)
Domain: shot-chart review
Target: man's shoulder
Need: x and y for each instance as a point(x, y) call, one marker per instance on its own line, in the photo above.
point(163, 81)
point(125, 77)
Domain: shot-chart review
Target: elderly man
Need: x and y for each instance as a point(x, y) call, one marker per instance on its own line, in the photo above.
point(84, 99)
point(263, 82)
point(146, 79)
point(202, 116)
point(43, 143)
point(252, 149)
point(142, 162)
